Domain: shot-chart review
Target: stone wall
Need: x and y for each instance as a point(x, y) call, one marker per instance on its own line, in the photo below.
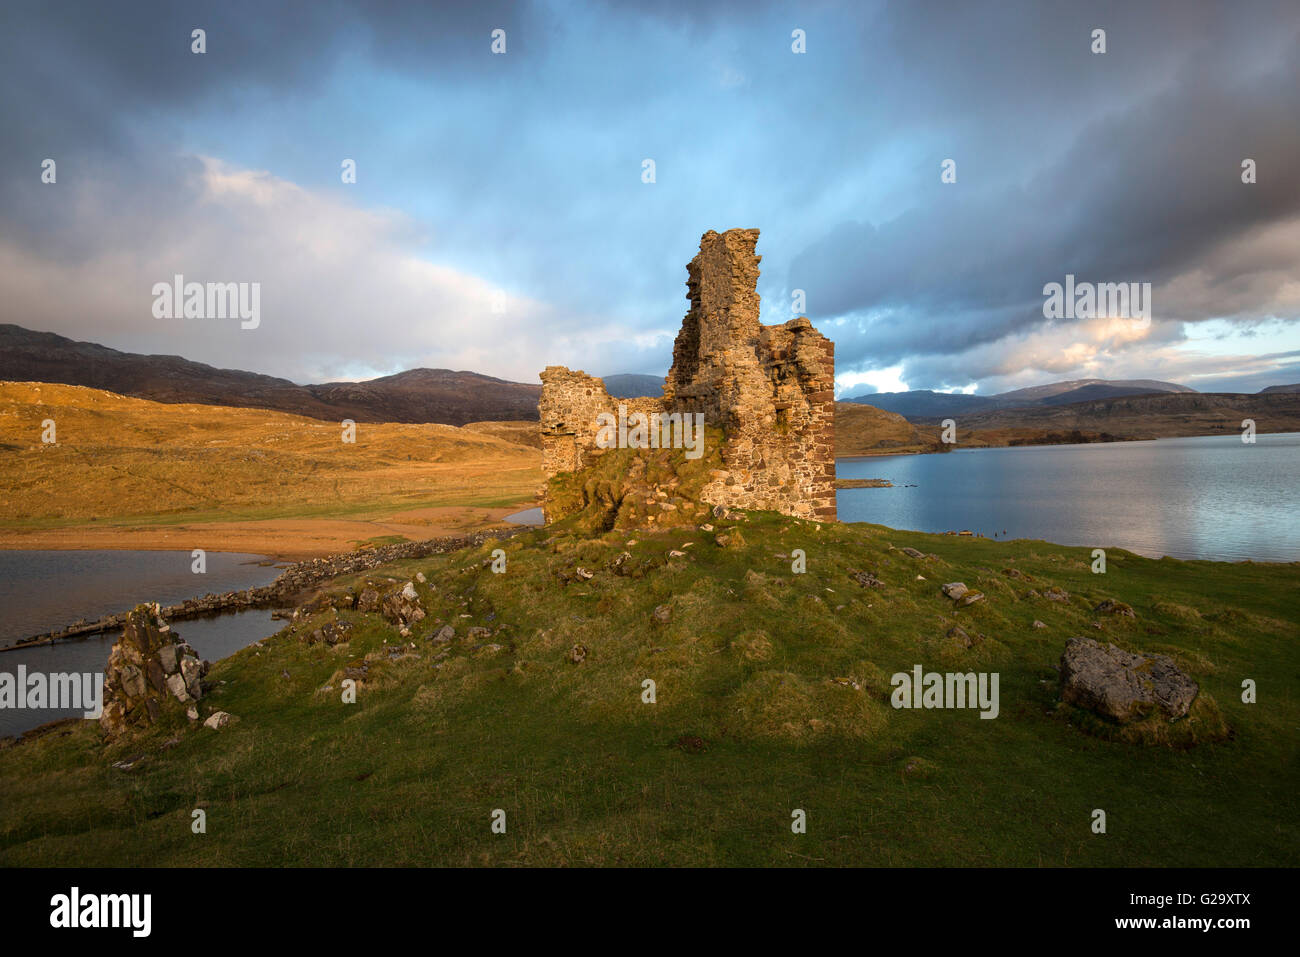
point(770, 388)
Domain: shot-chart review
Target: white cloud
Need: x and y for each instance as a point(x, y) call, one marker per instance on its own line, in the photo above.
point(344, 292)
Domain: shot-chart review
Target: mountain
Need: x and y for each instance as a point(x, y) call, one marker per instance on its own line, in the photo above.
point(924, 404)
point(1294, 387)
point(418, 395)
point(1054, 390)
point(633, 386)
point(1099, 391)
point(433, 395)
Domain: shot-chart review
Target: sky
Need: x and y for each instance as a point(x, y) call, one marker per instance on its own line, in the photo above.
point(500, 220)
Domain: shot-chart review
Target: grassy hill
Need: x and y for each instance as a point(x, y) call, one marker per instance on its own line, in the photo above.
point(772, 694)
point(132, 462)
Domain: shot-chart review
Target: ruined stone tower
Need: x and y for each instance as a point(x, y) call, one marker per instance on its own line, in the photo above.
point(769, 388)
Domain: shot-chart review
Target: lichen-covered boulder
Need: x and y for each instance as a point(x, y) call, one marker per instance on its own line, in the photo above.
point(1122, 686)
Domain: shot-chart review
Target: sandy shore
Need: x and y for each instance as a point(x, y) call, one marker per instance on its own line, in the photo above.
point(286, 539)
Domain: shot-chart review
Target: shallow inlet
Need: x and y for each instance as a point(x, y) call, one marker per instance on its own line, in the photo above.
point(48, 589)
point(529, 516)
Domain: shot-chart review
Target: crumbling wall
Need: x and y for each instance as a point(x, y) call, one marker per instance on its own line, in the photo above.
point(770, 388)
point(570, 409)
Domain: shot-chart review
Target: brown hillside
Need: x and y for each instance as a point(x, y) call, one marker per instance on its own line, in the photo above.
point(118, 456)
point(866, 430)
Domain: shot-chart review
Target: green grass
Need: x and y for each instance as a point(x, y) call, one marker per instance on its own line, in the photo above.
point(588, 774)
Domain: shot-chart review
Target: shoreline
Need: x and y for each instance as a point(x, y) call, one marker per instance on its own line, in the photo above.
point(288, 585)
point(981, 439)
point(279, 540)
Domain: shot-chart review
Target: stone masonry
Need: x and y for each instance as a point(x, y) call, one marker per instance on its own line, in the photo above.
point(769, 388)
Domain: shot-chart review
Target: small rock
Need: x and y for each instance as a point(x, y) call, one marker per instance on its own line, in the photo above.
point(578, 654)
point(1110, 606)
point(176, 685)
point(217, 720)
point(955, 590)
point(368, 600)
point(662, 613)
point(1038, 624)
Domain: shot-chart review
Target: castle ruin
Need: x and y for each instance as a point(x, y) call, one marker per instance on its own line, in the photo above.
point(769, 388)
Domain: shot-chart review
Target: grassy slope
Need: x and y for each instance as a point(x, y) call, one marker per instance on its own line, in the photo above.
point(131, 461)
point(590, 775)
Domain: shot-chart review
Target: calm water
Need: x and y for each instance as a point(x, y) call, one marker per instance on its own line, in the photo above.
point(213, 638)
point(529, 516)
point(1211, 497)
point(43, 590)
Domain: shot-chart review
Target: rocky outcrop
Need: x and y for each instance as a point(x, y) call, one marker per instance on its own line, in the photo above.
point(1122, 686)
point(769, 389)
point(150, 672)
point(402, 607)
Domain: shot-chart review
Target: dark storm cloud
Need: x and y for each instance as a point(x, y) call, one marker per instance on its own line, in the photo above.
point(1139, 193)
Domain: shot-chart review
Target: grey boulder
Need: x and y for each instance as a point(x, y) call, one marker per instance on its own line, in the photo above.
point(1123, 686)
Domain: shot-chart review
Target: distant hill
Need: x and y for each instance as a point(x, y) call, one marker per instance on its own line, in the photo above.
point(416, 396)
point(119, 455)
point(1099, 391)
point(633, 386)
point(864, 429)
point(1054, 390)
point(1293, 387)
point(1152, 415)
point(925, 405)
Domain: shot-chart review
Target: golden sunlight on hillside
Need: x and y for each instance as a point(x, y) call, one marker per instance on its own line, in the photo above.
point(86, 468)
